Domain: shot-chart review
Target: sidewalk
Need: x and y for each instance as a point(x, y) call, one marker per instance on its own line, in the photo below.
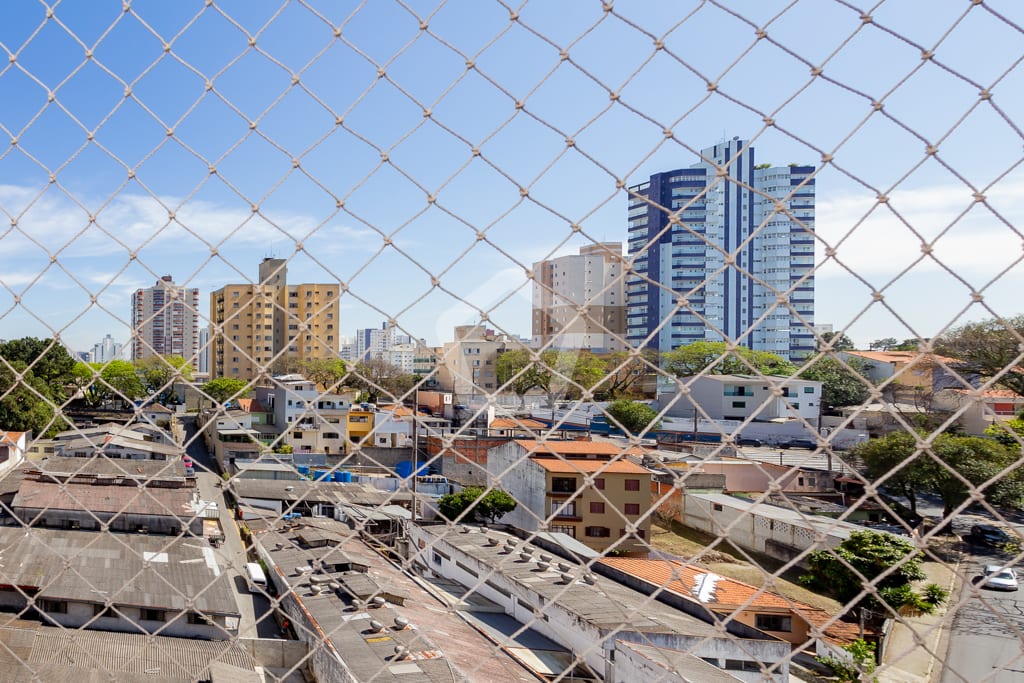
point(918, 643)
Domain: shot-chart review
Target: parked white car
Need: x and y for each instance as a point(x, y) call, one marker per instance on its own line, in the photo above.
point(998, 577)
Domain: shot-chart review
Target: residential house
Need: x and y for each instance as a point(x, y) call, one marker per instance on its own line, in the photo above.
point(309, 420)
point(978, 409)
point(588, 490)
point(739, 397)
point(13, 449)
point(787, 619)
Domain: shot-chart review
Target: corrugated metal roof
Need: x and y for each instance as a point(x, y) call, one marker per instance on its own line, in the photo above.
point(602, 466)
point(158, 501)
point(157, 572)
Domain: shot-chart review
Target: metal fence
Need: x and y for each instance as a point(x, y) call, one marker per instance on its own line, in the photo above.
point(433, 165)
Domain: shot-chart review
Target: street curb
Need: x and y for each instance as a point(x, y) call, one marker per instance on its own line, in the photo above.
point(942, 642)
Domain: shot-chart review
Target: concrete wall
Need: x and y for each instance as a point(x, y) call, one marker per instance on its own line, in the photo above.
point(510, 469)
point(275, 653)
point(465, 460)
point(129, 620)
point(750, 530)
point(129, 522)
point(324, 661)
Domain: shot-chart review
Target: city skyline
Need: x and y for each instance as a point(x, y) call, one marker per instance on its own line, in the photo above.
point(411, 198)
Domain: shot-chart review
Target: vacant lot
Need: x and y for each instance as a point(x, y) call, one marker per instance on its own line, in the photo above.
point(722, 558)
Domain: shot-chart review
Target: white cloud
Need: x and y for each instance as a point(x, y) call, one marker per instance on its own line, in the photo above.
point(880, 243)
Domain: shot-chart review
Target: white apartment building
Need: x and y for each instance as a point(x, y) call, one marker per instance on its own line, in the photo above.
point(592, 279)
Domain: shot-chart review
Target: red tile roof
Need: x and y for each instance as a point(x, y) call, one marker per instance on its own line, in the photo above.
point(517, 423)
point(725, 595)
point(560, 466)
point(910, 357)
point(571, 447)
point(250, 405)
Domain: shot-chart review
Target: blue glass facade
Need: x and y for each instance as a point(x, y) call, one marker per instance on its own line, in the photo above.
point(714, 246)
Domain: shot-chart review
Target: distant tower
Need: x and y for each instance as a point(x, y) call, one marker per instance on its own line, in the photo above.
point(165, 321)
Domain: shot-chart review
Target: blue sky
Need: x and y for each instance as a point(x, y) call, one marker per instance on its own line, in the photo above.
point(313, 113)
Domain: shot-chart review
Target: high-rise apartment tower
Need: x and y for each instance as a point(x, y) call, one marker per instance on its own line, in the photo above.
point(723, 249)
point(165, 321)
point(266, 325)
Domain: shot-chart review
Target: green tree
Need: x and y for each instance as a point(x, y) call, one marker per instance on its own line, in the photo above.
point(24, 402)
point(632, 416)
point(836, 341)
point(976, 460)
point(517, 372)
point(1009, 433)
point(691, 359)
point(564, 373)
point(625, 373)
point(884, 344)
point(85, 377)
point(987, 349)
point(911, 344)
point(224, 389)
point(328, 373)
point(860, 667)
point(841, 385)
point(895, 455)
point(121, 382)
point(159, 373)
point(863, 558)
point(475, 502)
point(48, 360)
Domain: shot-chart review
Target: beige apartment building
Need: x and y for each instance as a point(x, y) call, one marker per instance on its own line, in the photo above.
point(251, 325)
point(586, 489)
point(467, 365)
point(592, 279)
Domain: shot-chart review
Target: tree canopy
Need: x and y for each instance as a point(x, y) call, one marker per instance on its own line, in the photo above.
point(987, 349)
point(159, 373)
point(474, 503)
point(26, 404)
point(224, 389)
point(844, 571)
point(691, 359)
point(632, 416)
point(841, 385)
point(46, 359)
point(957, 462)
point(837, 341)
point(625, 373)
point(376, 377)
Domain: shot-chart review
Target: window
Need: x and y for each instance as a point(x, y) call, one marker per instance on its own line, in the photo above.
point(632, 484)
point(599, 483)
point(597, 508)
point(773, 622)
point(52, 606)
point(99, 610)
point(563, 509)
point(808, 390)
point(567, 529)
point(739, 404)
point(197, 618)
point(717, 507)
point(598, 531)
point(563, 484)
point(632, 508)
point(152, 615)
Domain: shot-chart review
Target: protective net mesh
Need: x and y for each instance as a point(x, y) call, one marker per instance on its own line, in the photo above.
point(227, 483)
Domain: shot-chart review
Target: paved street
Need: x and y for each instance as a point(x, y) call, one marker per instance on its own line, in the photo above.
point(256, 619)
point(985, 641)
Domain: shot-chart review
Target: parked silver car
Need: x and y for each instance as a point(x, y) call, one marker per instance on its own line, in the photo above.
point(998, 577)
